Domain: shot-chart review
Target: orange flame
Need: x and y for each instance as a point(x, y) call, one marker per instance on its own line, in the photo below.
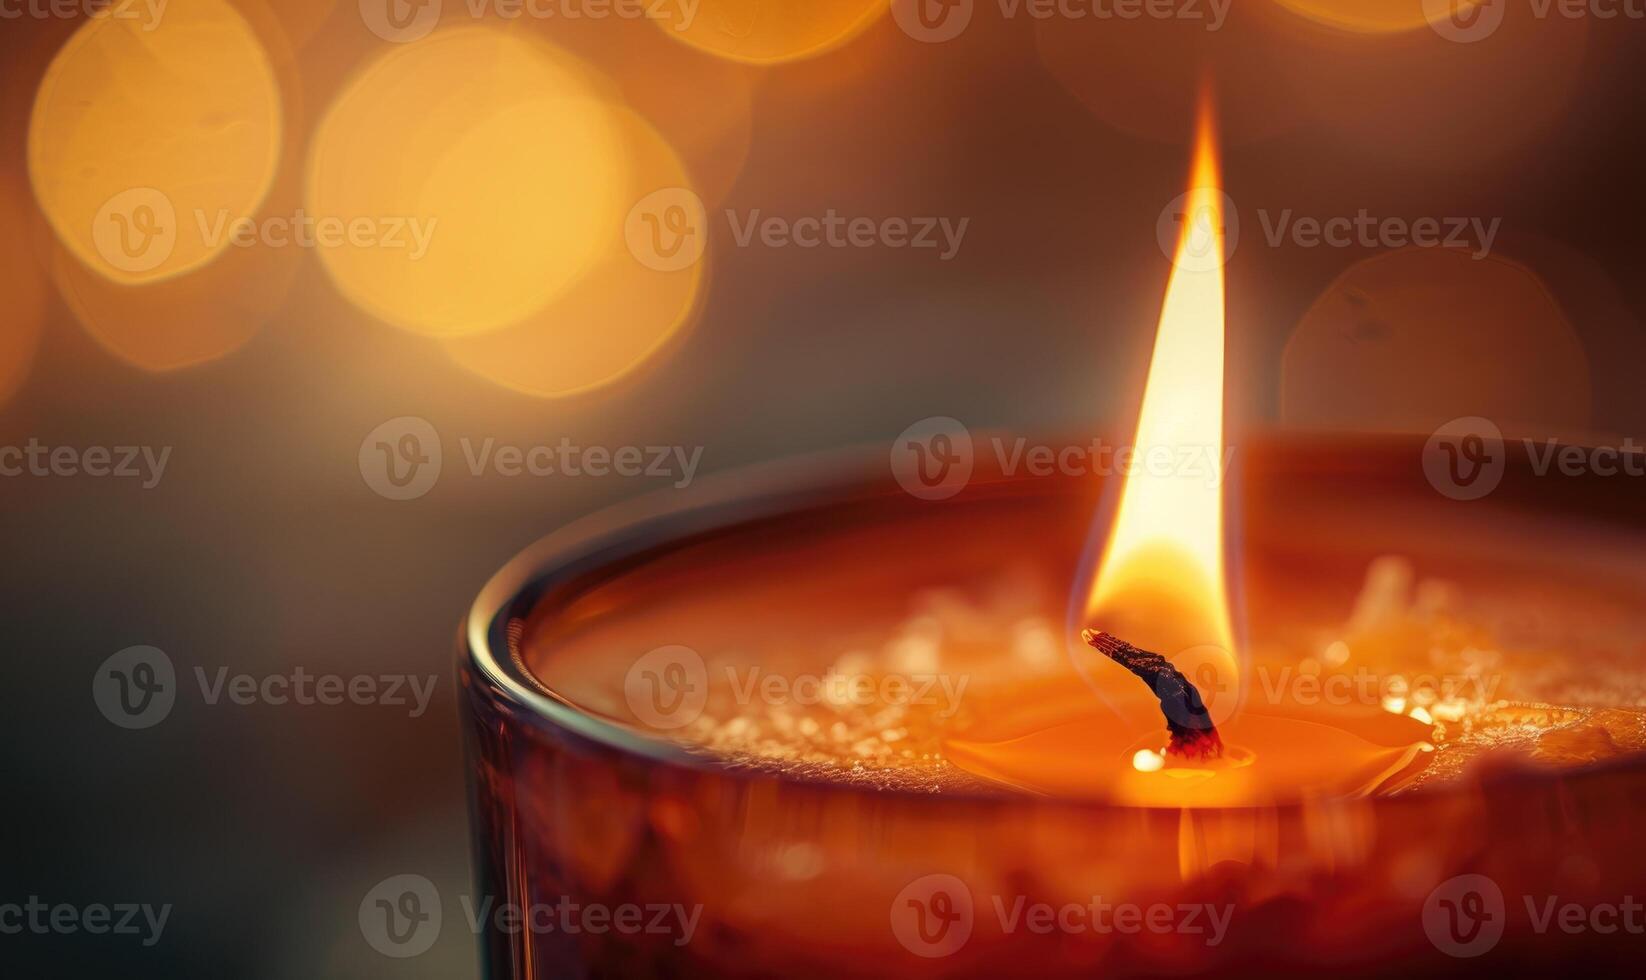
point(1160, 582)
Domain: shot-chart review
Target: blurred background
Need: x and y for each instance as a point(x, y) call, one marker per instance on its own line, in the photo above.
point(596, 180)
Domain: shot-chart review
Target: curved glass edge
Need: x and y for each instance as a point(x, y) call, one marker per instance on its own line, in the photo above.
point(621, 531)
point(717, 502)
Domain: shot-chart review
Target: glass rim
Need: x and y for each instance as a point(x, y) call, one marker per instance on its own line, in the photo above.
point(623, 530)
point(718, 501)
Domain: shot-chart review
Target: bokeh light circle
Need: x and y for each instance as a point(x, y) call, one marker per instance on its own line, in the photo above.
point(490, 154)
point(701, 105)
point(183, 321)
point(630, 306)
point(145, 136)
point(1415, 96)
point(764, 32)
point(1407, 340)
point(1382, 16)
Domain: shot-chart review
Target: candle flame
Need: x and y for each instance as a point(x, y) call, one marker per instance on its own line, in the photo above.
point(1160, 581)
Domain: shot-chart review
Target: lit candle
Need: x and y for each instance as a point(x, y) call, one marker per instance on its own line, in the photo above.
point(667, 705)
point(1161, 584)
point(800, 704)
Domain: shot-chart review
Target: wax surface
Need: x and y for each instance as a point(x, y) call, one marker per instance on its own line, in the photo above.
point(955, 620)
point(1270, 758)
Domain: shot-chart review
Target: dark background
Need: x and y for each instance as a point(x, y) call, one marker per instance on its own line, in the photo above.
point(263, 549)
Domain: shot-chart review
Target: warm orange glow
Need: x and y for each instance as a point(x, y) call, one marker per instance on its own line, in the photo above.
point(143, 138)
point(700, 105)
point(183, 321)
point(1407, 340)
point(768, 33)
point(1161, 583)
point(495, 153)
point(1379, 16)
point(629, 306)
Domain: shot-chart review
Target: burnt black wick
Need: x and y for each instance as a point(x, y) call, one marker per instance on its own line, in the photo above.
point(1193, 736)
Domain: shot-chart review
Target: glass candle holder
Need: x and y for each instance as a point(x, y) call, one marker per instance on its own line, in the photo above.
point(731, 829)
